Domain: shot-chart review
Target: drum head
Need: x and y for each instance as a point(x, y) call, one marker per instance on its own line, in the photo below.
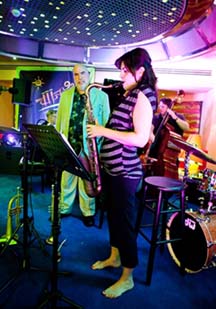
point(193, 248)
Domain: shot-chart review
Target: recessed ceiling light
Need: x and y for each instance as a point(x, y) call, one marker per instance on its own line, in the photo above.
point(16, 12)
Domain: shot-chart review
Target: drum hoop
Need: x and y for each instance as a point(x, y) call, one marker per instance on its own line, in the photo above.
point(169, 244)
point(209, 234)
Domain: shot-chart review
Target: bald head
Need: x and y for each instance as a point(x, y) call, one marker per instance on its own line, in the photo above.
point(81, 77)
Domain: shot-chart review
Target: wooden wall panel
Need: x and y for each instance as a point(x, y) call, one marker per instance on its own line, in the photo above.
point(192, 112)
point(6, 107)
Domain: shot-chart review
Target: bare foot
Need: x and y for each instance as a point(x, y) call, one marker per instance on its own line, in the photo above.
point(106, 263)
point(118, 288)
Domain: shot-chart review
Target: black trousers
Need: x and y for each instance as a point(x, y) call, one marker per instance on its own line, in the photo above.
point(122, 208)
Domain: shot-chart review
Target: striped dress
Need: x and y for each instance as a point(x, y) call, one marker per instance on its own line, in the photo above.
point(117, 158)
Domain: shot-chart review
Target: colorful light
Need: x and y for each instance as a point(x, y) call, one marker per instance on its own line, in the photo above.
point(16, 12)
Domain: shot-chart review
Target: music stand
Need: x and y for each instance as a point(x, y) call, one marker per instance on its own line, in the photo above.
point(26, 223)
point(63, 157)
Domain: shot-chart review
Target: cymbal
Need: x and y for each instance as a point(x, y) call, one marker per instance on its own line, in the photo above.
point(192, 150)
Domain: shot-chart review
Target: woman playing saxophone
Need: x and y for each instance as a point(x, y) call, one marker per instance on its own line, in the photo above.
point(128, 129)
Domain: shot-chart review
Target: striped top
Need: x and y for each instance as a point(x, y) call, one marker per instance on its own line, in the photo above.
point(151, 95)
point(117, 158)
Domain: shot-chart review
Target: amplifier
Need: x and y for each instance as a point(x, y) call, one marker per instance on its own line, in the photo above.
point(9, 159)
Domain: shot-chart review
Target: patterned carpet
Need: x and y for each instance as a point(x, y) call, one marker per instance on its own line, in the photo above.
point(27, 271)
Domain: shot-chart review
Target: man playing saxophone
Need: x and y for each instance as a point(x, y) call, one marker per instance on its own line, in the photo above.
point(72, 118)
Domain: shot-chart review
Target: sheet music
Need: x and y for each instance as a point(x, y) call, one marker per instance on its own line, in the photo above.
point(67, 142)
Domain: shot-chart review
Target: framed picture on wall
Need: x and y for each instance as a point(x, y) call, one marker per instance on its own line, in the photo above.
point(192, 111)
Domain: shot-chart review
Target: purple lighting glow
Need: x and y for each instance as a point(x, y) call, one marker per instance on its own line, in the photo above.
point(11, 140)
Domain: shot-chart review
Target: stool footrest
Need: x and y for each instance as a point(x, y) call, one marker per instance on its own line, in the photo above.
point(159, 241)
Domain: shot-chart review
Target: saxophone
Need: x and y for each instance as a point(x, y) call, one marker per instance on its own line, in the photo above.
point(91, 163)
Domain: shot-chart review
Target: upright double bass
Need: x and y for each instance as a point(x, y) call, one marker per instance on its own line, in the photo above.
point(156, 149)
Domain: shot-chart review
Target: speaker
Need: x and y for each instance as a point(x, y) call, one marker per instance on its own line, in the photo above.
point(21, 91)
point(9, 159)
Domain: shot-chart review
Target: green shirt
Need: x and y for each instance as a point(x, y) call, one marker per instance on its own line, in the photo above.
point(76, 119)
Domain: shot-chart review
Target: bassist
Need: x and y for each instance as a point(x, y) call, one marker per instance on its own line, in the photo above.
point(161, 131)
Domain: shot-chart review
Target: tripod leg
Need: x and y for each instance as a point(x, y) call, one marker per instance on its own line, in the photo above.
point(53, 298)
point(69, 301)
point(11, 238)
point(37, 236)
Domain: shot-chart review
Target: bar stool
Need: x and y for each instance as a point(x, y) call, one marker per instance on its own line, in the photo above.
point(155, 198)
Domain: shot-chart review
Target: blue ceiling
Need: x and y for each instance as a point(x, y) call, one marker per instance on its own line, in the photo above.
point(97, 31)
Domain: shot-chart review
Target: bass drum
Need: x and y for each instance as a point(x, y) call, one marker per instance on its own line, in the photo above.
point(199, 240)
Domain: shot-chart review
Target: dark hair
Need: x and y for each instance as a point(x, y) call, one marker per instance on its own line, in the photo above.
point(181, 92)
point(51, 112)
point(166, 101)
point(135, 59)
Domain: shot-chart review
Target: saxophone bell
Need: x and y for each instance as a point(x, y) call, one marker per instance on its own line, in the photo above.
point(93, 187)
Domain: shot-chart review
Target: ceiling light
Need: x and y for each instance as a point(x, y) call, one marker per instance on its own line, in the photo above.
point(16, 13)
